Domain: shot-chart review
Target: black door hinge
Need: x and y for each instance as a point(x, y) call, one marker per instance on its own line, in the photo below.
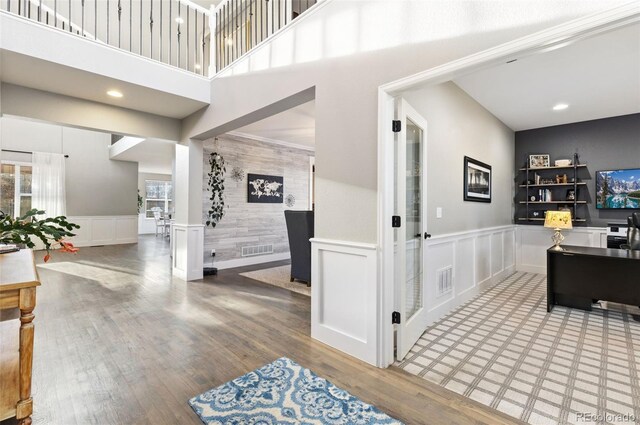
point(396, 221)
point(396, 126)
point(395, 318)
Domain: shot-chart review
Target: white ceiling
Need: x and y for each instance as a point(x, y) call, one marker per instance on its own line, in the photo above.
point(597, 77)
point(28, 71)
point(295, 126)
point(152, 155)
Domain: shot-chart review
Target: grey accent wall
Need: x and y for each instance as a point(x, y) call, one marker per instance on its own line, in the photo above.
point(458, 126)
point(605, 144)
point(95, 185)
point(246, 224)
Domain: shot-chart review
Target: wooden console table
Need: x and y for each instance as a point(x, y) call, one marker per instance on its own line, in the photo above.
point(18, 282)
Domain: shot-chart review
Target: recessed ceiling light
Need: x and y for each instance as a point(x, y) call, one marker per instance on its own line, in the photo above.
point(179, 20)
point(560, 107)
point(114, 93)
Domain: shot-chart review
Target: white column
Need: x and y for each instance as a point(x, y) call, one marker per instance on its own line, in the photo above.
point(188, 231)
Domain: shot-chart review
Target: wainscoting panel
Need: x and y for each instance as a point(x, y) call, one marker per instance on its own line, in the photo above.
point(344, 297)
point(187, 251)
point(105, 230)
point(533, 242)
point(479, 259)
point(483, 258)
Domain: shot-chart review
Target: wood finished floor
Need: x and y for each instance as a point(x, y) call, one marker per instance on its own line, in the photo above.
point(118, 341)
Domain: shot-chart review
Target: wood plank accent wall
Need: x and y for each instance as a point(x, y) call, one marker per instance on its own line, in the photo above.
point(246, 224)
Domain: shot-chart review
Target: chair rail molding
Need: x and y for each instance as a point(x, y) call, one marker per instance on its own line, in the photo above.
point(187, 246)
point(344, 297)
point(105, 230)
point(533, 242)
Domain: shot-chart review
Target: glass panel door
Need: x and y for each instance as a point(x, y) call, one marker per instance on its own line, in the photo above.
point(413, 218)
point(410, 205)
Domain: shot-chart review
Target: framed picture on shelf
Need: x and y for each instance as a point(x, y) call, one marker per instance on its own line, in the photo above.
point(539, 161)
point(477, 180)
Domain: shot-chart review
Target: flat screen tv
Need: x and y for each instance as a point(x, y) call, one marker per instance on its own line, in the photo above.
point(618, 189)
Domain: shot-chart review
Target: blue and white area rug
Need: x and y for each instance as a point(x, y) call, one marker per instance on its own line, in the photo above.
point(283, 392)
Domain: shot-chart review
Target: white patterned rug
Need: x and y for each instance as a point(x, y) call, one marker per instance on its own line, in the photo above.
point(504, 350)
point(279, 276)
point(284, 393)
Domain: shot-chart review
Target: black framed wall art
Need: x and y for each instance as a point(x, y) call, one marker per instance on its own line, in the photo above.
point(265, 189)
point(477, 180)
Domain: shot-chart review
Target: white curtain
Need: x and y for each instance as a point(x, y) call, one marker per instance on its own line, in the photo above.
point(48, 184)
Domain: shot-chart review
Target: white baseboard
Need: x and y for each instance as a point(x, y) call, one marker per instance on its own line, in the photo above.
point(105, 230)
point(250, 261)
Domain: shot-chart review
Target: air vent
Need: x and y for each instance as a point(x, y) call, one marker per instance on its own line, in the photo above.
point(252, 251)
point(445, 281)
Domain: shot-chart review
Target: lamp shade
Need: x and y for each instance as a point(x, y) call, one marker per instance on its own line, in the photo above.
point(558, 220)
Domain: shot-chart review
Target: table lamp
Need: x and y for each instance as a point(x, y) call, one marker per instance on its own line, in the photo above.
point(558, 220)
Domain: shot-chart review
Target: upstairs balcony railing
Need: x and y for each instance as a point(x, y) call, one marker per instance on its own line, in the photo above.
point(175, 32)
point(240, 25)
point(170, 31)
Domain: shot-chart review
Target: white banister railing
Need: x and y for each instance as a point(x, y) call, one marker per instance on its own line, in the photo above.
point(170, 31)
point(240, 25)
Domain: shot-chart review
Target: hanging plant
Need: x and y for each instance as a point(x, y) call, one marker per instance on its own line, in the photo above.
point(140, 202)
point(216, 187)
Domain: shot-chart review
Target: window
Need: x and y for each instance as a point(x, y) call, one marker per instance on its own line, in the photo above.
point(15, 188)
point(158, 195)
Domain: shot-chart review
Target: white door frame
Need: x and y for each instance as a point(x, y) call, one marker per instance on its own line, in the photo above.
point(539, 42)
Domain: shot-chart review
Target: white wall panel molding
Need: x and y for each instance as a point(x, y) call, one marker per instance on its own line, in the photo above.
point(533, 242)
point(105, 230)
point(187, 246)
point(479, 259)
point(344, 297)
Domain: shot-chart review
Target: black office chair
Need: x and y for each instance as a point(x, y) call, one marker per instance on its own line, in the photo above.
point(633, 232)
point(300, 229)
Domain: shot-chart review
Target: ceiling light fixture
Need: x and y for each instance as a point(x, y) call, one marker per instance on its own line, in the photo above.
point(114, 93)
point(560, 107)
point(179, 20)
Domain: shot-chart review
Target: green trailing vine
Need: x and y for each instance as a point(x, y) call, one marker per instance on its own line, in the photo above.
point(216, 187)
point(140, 202)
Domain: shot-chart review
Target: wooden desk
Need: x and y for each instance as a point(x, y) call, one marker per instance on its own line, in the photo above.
point(578, 275)
point(18, 282)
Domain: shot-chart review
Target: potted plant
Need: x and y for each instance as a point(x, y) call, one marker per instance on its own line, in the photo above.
point(51, 231)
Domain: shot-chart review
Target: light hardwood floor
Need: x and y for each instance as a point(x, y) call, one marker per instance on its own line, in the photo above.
point(118, 341)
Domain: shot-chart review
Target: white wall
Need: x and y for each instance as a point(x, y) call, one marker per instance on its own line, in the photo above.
point(101, 194)
point(64, 110)
point(346, 50)
point(458, 126)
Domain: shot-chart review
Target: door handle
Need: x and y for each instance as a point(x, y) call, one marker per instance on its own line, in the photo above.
point(427, 235)
point(417, 236)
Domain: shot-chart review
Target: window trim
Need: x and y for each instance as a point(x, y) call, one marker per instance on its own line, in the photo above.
point(17, 194)
point(166, 199)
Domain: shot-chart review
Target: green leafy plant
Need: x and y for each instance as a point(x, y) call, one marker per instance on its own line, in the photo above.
point(140, 202)
point(51, 231)
point(215, 185)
